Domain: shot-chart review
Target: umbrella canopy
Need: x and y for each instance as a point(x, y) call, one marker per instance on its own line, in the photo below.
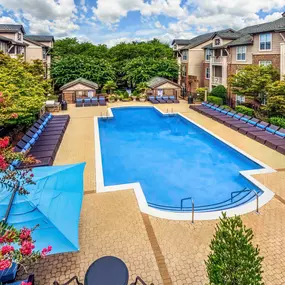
point(54, 203)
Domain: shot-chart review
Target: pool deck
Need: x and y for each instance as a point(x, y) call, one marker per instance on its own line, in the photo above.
point(160, 251)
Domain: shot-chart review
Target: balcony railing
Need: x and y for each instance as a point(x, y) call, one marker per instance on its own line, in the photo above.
point(216, 80)
point(218, 59)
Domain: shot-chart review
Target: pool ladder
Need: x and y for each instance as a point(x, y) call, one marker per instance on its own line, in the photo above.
point(171, 113)
point(106, 117)
point(232, 196)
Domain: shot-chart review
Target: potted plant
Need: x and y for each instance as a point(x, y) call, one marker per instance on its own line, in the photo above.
point(142, 98)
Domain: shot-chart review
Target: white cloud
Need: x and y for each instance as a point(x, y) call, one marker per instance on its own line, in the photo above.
point(6, 20)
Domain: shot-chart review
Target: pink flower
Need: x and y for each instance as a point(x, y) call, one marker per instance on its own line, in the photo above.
point(4, 264)
point(26, 283)
point(45, 251)
point(4, 142)
point(14, 116)
point(6, 249)
point(3, 163)
point(25, 233)
point(27, 248)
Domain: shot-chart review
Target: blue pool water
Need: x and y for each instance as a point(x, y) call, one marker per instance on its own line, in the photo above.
point(170, 157)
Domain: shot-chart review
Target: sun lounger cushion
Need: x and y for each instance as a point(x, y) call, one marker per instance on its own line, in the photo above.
point(270, 130)
point(280, 134)
point(251, 122)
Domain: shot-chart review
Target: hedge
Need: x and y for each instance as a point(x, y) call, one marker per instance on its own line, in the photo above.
point(219, 91)
point(215, 100)
point(245, 110)
point(278, 121)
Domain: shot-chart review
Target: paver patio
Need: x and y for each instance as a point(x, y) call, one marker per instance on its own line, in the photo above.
point(111, 223)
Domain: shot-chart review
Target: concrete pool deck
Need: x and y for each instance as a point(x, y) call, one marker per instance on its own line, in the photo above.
point(158, 250)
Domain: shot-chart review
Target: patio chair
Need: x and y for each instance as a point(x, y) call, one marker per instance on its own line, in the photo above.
point(166, 99)
point(173, 99)
point(79, 102)
point(278, 139)
point(160, 100)
point(152, 100)
point(87, 102)
point(261, 135)
point(94, 101)
point(281, 149)
point(139, 281)
point(102, 101)
point(260, 126)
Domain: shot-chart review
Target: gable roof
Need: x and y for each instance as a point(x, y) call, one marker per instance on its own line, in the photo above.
point(35, 43)
point(244, 40)
point(227, 35)
point(157, 81)
point(276, 25)
point(8, 40)
point(82, 81)
point(181, 42)
point(9, 28)
point(40, 38)
point(204, 38)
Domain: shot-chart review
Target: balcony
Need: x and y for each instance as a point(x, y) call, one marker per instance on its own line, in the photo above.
point(218, 60)
point(216, 80)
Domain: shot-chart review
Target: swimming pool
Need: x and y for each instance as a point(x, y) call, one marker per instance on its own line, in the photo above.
point(172, 159)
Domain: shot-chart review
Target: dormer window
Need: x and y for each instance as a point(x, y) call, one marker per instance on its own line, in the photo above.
point(19, 36)
point(217, 42)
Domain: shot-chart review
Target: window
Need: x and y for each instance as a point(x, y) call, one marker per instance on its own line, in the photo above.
point(265, 62)
point(265, 41)
point(184, 54)
point(19, 50)
point(217, 42)
point(241, 53)
point(207, 73)
point(19, 36)
point(240, 99)
point(208, 54)
point(44, 53)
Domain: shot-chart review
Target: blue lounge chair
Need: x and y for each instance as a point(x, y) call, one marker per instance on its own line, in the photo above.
point(152, 100)
point(173, 99)
point(102, 101)
point(166, 99)
point(160, 100)
point(94, 101)
point(87, 102)
point(79, 103)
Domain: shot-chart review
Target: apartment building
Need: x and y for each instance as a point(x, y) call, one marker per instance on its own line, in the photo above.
point(14, 41)
point(228, 51)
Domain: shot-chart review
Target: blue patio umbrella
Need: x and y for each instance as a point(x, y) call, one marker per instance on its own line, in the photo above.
point(54, 203)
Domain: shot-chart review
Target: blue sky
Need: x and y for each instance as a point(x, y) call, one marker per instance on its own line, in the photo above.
point(113, 21)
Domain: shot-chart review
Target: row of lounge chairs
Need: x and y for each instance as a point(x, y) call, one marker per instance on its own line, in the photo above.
point(263, 132)
point(43, 139)
point(87, 102)
point(162, 99)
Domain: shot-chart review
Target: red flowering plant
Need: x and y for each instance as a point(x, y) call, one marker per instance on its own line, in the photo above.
point(9, 176)
point(18, 246)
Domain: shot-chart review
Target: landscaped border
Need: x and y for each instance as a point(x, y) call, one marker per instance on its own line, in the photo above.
point(143, 205)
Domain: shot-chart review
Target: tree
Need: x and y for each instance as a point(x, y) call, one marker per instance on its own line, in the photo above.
point(233, 258)
point(23, 90)
point(253, 80)
point(219, 91)
point(142, 87)
point(110, 86)
point(72, 67)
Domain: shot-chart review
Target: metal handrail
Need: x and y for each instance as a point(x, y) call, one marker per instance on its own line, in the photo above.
point(256, 195)
point(192, 202)
point(74, 278)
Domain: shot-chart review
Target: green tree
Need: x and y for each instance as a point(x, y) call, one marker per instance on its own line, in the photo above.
point(141, 87)
point(233, 259)
point(72, 67)
point(23, 90)
point(253, 80)
point(219, 91)
point(110, 86)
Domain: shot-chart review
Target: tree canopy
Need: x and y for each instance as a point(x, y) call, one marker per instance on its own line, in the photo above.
point(23, 90)
point(126, 63)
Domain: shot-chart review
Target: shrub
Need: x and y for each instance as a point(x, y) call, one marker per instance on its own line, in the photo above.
point(215, 100)
point(233, 258)
point(245, 110)
point(278, 121)
point(219, 91)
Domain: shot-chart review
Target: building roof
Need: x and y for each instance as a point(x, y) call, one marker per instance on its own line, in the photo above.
point(157, 81)
point(227, 35)
point(81, 81)
point(244, 40)
point(204, 38)
point(181, 42)
point(35, 43)
point(40, 38)
point(276, 25)
point(8, 40)
point(10, 28)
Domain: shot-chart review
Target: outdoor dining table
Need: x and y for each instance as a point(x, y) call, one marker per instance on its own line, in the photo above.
point(107, 270)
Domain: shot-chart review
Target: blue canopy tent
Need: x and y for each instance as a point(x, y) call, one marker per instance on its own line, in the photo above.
point(54, 203)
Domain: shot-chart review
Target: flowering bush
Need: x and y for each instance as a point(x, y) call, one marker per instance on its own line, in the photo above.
point(22, 239)
point(10, 176)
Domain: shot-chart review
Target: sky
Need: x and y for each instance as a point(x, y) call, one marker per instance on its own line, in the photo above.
point(112, 21)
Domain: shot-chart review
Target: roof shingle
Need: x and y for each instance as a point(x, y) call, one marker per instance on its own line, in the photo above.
point(40, 38)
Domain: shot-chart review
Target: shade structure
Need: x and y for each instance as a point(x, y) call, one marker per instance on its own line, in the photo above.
point(54, 203)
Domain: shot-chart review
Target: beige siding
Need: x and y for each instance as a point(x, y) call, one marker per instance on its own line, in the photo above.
point(222, 41)
point(276, 40)
point(49, 44)
point(167, 85)
point(33, 52)
point(248, 59)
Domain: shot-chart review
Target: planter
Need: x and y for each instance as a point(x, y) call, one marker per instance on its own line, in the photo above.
point(111, 101)
point(142, 99)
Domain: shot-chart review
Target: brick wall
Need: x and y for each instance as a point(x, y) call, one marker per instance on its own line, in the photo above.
point(275, 58)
